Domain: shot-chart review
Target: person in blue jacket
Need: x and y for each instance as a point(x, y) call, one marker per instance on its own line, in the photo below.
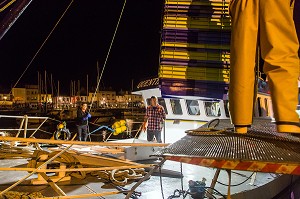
point(82, 122)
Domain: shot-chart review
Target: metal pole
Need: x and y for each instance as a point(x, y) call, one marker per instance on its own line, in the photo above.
point(131, 97)
point(38, 88)
point(38, 128)
point(25, 127)
point(164, 124)
point(229, 183)
point(78, 87)
point(40, 92)
point(87, 86)
point(253, 179)
point(52, 93)
point(46, 90)
point(57, 88)
point(71, 86)
point(213, 184)
point(51, 80)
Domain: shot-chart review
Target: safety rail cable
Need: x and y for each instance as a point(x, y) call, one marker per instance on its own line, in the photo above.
point(44, 42)
point(21, 117)
point(107, 55)
point(18, 129)
point(28, 129)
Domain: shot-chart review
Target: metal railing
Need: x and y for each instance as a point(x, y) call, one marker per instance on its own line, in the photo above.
point(25, 123)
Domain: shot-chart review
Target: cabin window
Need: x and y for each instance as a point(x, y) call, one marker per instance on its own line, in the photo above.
point(212, 109)
point(259, 107)
point(226, 107)
point(267, 107)
point(176, 107)
point(161, 101)
point(193, 107)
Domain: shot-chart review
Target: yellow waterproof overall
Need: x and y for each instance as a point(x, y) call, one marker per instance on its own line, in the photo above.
point(269, 24)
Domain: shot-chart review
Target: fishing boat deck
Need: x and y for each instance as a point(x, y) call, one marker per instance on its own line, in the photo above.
point(151, 188)
point(219, 149)
point(262, 149)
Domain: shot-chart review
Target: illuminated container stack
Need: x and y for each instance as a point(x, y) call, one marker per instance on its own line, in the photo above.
point(195, 46)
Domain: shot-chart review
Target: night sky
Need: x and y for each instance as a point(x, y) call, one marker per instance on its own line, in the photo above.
point(82, 38)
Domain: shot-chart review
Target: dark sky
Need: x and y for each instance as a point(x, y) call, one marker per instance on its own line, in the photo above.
point(82, 38)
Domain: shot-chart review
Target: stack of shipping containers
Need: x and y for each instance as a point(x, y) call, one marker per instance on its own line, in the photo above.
point(195, 56)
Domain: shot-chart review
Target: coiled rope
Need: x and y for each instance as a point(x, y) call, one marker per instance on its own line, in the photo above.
point(207, 130)
point(120, 177)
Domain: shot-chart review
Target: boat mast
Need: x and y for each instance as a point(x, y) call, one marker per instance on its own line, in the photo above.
point(98, 76)
point(39, 91)
point(46, 92)
point(87, 86)
point(78, 87)
point(51, 80)
point(57, 88)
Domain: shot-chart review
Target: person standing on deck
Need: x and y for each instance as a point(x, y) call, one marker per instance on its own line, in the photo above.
point(269, 24)
point(155, 116)
point(82, 122)
point(296, 14)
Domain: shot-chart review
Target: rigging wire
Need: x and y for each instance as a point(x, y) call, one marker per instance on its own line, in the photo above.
point(108, 53)
point(37, 52)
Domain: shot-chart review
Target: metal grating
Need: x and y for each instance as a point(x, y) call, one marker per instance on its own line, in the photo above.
point(261, 144)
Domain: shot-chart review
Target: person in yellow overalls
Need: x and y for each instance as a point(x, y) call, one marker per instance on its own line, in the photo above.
point(268, 24)
point(297, 19)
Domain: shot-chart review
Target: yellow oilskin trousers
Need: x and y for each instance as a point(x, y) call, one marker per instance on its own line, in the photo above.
point(269, 24)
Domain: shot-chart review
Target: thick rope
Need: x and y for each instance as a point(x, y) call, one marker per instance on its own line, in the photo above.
point(120, 177)
point(205, 131)
point(108, 53)
point(37, 52)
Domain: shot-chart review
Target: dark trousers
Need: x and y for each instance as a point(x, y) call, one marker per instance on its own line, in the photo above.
point(152, 133)
point(82, 132)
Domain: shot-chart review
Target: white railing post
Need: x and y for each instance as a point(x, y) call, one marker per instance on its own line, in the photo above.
point(26, 124)
point(21, 126)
